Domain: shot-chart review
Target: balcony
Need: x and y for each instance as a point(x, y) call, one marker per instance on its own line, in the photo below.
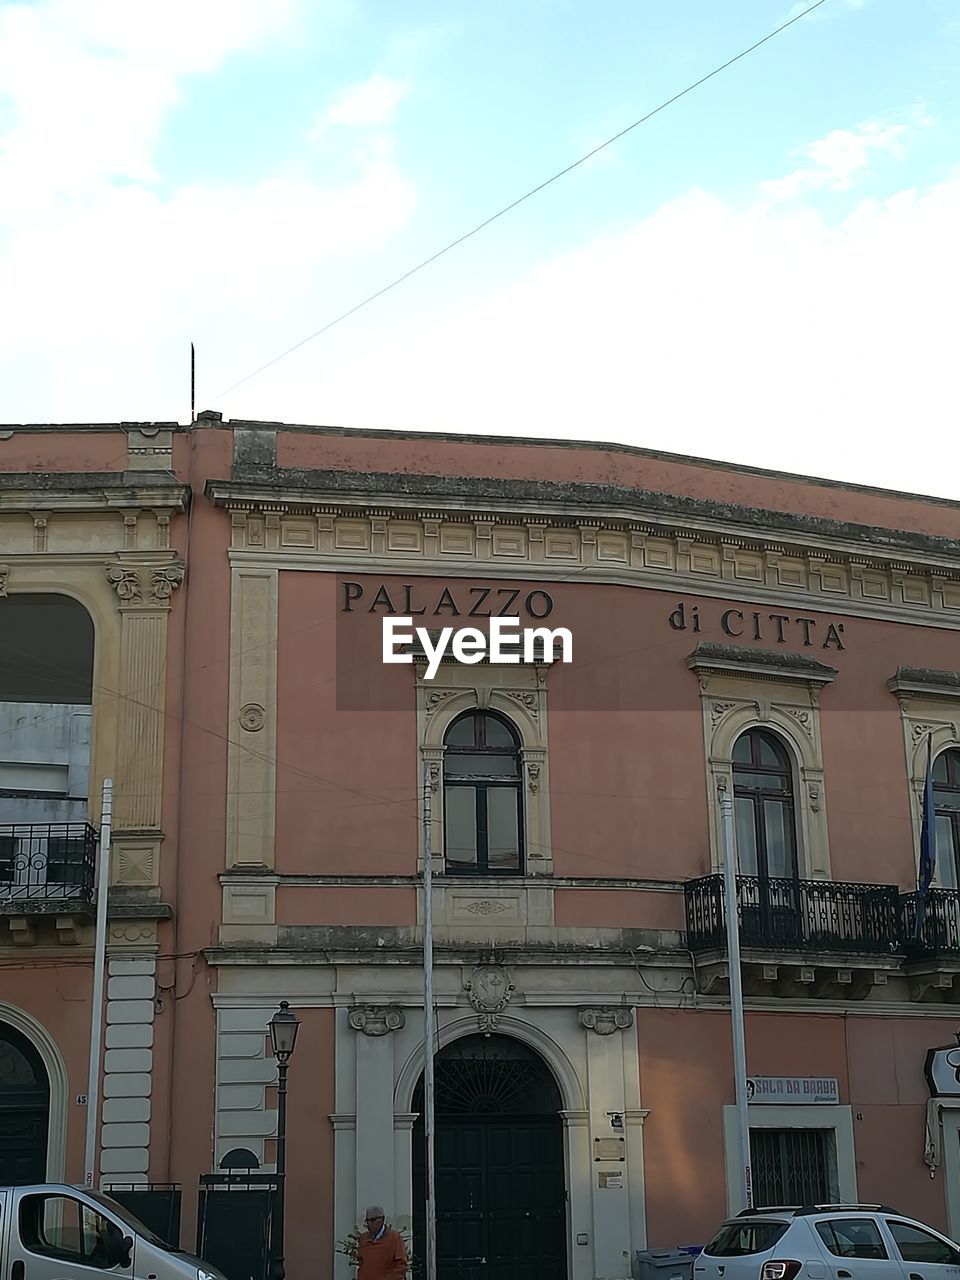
point(816, 937)
point(46, 866)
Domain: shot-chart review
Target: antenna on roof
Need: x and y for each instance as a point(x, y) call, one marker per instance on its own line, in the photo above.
point(193, 383)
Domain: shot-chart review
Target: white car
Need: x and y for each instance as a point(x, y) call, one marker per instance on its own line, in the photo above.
point(827, 1242)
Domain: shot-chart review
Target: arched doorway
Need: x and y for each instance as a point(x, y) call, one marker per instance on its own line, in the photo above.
point(24, 1110)
point(501, 1201)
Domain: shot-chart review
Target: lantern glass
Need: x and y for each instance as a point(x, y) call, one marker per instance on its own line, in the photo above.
point(284, 1026)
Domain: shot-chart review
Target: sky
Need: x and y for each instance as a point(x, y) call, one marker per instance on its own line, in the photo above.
point(766, 272)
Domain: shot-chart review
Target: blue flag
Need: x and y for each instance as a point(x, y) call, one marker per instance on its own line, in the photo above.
point(928, 842)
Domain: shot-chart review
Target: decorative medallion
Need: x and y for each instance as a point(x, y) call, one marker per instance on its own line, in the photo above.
point(605, 1021)
point(375, 1020)
point(489, 990)
point(485, 907)
point(252, 717)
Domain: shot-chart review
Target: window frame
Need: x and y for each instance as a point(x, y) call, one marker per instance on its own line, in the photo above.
point(951, 759)
point(833, 1223)
point(759, 797)
point(31, 1210)
point(481, 785)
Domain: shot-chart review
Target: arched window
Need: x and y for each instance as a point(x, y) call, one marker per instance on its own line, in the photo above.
point(946, 804)
point(764, 805)
point(483, 828)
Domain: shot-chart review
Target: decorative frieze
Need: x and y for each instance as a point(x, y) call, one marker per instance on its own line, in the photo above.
point(606, 1020)
point(376, 1020)
point(811, 568)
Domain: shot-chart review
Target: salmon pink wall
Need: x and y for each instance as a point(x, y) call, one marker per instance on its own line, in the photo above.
point(346, 779)
point(592, 464)
point(628, 780)
point(360, 905)
point(686, 1079)
point(310, 1103)
point(616, 909)
point(194, 847)
point(56, 449)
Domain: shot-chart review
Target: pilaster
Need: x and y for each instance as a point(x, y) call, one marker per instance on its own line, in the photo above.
point(251, 768)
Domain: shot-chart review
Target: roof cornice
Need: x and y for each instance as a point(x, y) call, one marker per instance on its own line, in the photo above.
point(576, 504)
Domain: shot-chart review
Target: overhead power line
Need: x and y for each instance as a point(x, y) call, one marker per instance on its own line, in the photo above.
point(521, 199)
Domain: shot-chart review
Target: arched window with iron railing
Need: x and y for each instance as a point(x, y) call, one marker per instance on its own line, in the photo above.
point(765, 807)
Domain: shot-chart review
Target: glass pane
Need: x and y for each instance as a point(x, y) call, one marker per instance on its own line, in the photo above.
point(852, 1238)
point(916, 1245)
point(946, 868)
point(503, 829)
point(746, 837)
point(741, 750)
point(946, 799)
point(740, 1240)
point(778, 831)
point(462, 732)
point(771, 753)
point(940, 767)
point(768, 782)
point(496, 733)
point(473, 765)
point(461, 826)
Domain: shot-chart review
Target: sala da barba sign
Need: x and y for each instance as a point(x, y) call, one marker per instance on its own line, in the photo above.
point(504, 641)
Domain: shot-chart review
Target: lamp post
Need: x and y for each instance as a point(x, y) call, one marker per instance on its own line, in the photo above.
point(284, 1026)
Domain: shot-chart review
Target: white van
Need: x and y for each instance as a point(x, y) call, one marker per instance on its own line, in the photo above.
point(56, 1232)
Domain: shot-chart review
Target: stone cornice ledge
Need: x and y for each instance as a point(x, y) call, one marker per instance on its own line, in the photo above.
point(765, 664)
point(926, 681)
point(92, 491)
point(389, 493)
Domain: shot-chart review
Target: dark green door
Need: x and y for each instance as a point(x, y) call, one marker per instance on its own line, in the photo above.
point(501, 1204)
point(24, 1109)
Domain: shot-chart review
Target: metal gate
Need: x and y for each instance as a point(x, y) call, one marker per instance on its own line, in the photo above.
point(235, 1214)
point(156, 1204)
point(793, 1166)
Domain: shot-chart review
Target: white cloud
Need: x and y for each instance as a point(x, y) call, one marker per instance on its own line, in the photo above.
point(369, 104)
point(104, 274)
point(835, 160)
point(762, 335)
point(88, 82)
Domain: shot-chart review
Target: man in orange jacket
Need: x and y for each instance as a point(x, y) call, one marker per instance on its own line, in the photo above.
point(381, 1252)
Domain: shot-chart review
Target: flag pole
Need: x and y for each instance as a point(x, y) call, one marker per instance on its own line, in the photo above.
point(744, 1187)
point(99, 966)
point(429, 1032)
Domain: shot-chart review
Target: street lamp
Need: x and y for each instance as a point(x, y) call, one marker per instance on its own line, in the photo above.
point(284, 1026)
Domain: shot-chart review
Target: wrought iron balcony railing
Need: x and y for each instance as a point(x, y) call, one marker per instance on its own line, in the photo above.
point(50, 861)
point(939, 925)
point(796, 915)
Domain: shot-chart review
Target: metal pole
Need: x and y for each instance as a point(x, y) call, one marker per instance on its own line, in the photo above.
point(278, 1220)
point(99, 965)
point(745, 1179)
point(429, 1033)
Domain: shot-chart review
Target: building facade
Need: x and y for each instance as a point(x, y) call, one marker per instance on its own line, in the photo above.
point(198, 613)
